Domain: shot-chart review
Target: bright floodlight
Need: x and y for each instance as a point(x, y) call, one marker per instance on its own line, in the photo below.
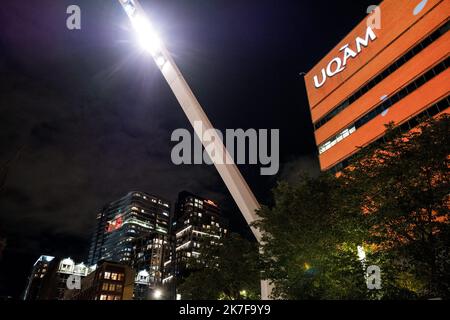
point(147, 37)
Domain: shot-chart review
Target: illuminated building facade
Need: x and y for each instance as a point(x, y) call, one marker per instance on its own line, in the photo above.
point(119, 224)
point(195, 219)
point(49, 277)
point(149, 254)
point(393, 67)
point(134, 231)
point(40, 269)
point(110, 281)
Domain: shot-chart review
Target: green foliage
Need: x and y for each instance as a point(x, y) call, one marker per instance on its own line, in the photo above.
point(227, 270)
point(404, 186)
point(309, 252)
point(393, 200)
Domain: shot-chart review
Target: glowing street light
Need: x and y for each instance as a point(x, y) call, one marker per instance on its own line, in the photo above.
point(229, 172)
point(147, 38)
point(157, 294)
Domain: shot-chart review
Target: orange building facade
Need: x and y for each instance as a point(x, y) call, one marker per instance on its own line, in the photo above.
point(393, 67)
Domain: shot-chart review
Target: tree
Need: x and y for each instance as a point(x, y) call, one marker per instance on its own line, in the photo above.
point(226, 270)
point(403, 186)
point(309, 252)
point(392, 200)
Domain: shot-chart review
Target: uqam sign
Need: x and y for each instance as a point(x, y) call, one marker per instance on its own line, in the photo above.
point(338, 64)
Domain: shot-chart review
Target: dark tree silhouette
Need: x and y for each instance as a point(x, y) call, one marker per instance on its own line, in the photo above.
point(4, 170)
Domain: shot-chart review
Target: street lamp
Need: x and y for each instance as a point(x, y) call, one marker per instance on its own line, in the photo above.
point(237, 186)
point(157, 294)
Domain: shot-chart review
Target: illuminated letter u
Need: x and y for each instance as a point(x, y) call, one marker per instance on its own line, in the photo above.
point(324, 78)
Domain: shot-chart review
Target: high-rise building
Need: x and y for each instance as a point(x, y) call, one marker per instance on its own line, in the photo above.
point(195, 220)
point(391, 68)
point(121, 222)
point(134, 230)
point(149, 254)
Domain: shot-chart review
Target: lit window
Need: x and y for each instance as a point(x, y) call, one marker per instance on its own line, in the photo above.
point(112, 287)
point(120, 276)
point(119, 288)
point(117, 298)
point(110, 297)
point(105, 287)
point(103, 297)
point(107, 275)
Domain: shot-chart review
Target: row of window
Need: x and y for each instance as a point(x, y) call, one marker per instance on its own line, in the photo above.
point(413, 86)
point(152, 199)
point(110, 297)
point(384, 74)
point(430, 112)
point(112, 287)
point(331, 143)
point(113, 276)
point(387, 103)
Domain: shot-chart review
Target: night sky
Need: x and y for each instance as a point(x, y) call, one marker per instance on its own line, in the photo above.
point(86, 118)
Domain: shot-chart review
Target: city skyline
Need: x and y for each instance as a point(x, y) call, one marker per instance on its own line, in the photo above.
point(140, 232)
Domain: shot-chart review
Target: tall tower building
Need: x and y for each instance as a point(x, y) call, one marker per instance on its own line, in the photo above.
point(134, 231)
point(393, 67)
point(122, 222)
point(195, 219)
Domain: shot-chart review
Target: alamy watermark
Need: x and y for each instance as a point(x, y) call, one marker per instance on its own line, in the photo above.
point(374, 19)
point(73, 22)
point(373, 278)
point(73, 282)
point(374, 12)
point(242, 147)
